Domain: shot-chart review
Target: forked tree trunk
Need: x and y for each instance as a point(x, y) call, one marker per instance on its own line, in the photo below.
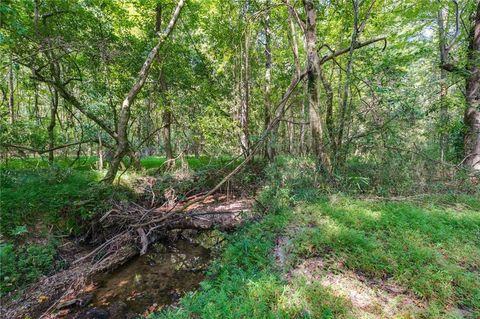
point(316, 124)
point(472, 114)
point(123, 146)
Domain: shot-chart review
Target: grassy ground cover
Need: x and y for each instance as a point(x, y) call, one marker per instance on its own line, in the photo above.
point(344, 256)
point(431, 250)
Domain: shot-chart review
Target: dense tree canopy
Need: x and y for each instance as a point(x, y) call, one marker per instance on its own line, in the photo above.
point(382, 78)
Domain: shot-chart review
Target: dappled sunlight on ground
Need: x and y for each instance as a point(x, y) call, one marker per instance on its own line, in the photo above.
point(366, 298)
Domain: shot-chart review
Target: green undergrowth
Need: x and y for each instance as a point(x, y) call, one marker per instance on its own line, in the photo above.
point(431, 250)
point(245, 282)
point(86, 163)
point(428, 245)
point(24, 264)
point(55, 197)
point(39, 203)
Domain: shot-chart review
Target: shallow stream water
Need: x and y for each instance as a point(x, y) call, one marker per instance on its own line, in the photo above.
point(148, 283)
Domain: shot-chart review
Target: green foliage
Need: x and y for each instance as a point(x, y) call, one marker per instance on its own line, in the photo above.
point(25, 264)
point(62, 197)
point(290, 180)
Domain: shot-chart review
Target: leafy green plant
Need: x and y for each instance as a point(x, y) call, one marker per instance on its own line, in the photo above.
point(23, 265)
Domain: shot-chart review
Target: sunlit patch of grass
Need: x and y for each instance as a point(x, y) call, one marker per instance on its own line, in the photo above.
point(302, 299)
point(432, 251)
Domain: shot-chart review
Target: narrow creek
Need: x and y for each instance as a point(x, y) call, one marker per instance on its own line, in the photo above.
point(147, 283)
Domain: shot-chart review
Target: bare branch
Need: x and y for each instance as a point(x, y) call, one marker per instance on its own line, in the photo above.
point(26, 148)
point(357, 45)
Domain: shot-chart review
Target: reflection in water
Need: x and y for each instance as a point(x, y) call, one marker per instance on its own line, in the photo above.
point(153, 280)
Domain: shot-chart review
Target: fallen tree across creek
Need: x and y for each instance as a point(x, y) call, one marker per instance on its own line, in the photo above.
point(67, 287)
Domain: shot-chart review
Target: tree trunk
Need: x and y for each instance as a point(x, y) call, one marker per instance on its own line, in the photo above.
point(443, 85)
point(11, 92)
point(269, 150)
point(472, 114)
point(100, 153)
point(51, 125)
point(329, 121)
point(122, 146)
point(166, 119)
point(340, 155)
point(167, 113)
point(244, 99)
point(316, 125)
point(167, 133)
point(296, 61)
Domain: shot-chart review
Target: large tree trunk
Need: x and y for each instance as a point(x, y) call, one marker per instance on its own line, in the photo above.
point(472, 114)
point(443, 85)
point(316, 125)
point(122, 146)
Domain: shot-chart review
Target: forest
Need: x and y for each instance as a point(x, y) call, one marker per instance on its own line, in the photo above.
point(239, 159)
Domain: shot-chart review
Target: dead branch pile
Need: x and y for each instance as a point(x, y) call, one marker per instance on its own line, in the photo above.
point(125, 231)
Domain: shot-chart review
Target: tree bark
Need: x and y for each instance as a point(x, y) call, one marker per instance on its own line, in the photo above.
point(166, 119)
point(244, 99)
point(340, 156)
point(443, 85)
point(11, 93)
point(163, 87)
point(472, 114)
point(316, 125)
point(122, 146)
point(268, 150)
point(296, 61)
point(100, 153)
point(329, 120)
point(51, 125)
